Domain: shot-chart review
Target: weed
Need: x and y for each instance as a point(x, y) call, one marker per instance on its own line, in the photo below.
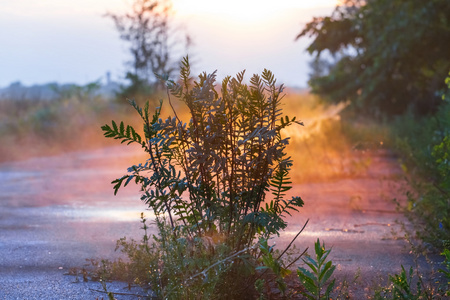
point(401, 285)
point(269, 262)
point(317, 281)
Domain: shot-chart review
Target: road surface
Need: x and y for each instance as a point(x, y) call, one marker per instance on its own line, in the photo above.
point(56, 212)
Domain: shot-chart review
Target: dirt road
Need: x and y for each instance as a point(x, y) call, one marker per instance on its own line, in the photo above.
point(55, 212)
point(357, 217)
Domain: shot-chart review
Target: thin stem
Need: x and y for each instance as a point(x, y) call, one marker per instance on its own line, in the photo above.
point(222, 261)
point(290, 244)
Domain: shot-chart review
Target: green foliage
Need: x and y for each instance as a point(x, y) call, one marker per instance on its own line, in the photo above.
point(446, 270)
point(269, 262)
point(316, 280)
point(400, 287)
point(389, 55)
point(206, 182)
point(259, 287)
point(424, 146)
point(441, 153)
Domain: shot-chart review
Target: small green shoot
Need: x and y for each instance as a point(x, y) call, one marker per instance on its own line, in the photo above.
point(269, 262)
point(317, 281)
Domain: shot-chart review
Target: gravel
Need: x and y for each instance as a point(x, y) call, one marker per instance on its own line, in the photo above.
point(51, 284)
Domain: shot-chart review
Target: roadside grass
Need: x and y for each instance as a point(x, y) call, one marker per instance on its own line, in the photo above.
point(31, 128)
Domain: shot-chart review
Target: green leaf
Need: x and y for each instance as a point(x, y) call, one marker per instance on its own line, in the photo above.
point(326, 274)
point(307, 282)
point(115, 126)
point(330, 289)
point(307, 273)
point(311, 263)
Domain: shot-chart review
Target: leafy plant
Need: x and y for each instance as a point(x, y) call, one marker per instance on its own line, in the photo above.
point(316, 280)
point(206, 181)
point(423, 144)
point(401, 285)
point(446, 270)
point(269, 262)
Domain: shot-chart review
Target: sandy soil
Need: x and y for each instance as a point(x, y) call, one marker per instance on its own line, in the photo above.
point(55, 212)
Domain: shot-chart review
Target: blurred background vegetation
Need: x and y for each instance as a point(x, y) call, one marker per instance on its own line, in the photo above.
point(387, 56)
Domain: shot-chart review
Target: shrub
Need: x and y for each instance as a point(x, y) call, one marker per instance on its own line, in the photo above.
point(207, 182)
point(425, 146)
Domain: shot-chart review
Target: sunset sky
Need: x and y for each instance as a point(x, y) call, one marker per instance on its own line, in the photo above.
point(70, 41)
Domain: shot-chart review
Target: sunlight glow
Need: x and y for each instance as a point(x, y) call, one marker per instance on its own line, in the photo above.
point(244, 11)
point(72, 41)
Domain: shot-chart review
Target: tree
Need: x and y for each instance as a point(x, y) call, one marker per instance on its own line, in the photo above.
point(390, 55)
point(147, 28)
